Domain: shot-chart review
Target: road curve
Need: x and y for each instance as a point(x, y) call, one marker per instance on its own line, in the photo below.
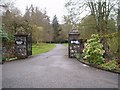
point(55, 70)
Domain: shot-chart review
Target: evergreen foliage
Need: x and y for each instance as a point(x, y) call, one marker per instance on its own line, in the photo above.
point(93, 50)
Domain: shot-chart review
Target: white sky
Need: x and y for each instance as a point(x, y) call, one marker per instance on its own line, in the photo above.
point(53, 7)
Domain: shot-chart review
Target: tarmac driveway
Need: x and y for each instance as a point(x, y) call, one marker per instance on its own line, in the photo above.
point(55, 70)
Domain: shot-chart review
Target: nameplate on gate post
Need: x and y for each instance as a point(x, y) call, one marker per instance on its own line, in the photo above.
point(19, 42)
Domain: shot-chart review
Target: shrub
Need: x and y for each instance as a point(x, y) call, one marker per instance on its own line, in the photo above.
point(93, 50)
point(111, 65)
point(78, 55)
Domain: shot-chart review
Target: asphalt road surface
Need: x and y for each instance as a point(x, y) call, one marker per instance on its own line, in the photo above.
point(55, 70)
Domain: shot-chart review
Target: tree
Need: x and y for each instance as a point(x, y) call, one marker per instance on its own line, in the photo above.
point(4, 6)
point(100, 9)
point(33, 21)
point(73, 15)
point(56, 29)
point(36, 18)
point(118, 22)
point(87, 27)
point(67, 26)
point(12, 20)
point(65, 30)
point(37, 34)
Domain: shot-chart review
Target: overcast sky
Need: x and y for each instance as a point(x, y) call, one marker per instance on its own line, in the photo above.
point(53, 7)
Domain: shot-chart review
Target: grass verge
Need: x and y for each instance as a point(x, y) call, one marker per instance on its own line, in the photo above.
point(117, 70)
point(65, 44)
point(41, 48)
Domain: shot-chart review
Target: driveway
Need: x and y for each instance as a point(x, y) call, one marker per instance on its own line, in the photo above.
point(55, 70)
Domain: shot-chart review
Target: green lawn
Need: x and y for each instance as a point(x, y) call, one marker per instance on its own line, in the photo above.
point(41, 48)
point(65, 44)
